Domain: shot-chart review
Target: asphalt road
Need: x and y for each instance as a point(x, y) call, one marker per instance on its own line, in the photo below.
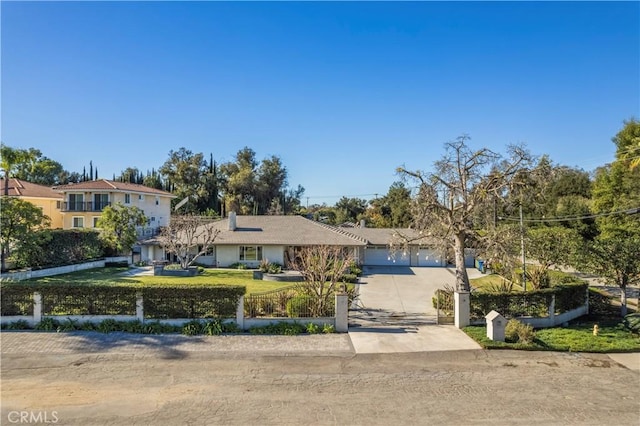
point(435, 388)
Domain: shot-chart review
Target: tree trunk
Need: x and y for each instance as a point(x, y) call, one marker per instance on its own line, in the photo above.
point(623, 300)
point(462, 279)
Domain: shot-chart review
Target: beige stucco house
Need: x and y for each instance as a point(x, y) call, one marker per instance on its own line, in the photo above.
point(82, 203)
point(252, 239)
point(41, 196)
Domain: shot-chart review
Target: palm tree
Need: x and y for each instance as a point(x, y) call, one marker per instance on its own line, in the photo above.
point(9, 159)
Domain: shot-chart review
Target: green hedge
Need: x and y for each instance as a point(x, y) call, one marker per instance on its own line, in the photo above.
point(58, 247)
point(185, 301)
point(531, 303)
point(160, 301)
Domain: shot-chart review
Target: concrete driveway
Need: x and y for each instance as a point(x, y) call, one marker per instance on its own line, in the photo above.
point(394, 312)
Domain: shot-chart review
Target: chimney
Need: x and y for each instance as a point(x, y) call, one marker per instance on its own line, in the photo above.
point(232, 221)
point(363, 223)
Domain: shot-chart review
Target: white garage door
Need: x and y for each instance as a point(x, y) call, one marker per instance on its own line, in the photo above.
point(429, 258)
point(380, 256)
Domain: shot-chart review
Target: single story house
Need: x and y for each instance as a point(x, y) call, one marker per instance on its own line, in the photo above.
point(252, 239)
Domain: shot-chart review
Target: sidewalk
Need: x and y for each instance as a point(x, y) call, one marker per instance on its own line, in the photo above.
point(173, 345)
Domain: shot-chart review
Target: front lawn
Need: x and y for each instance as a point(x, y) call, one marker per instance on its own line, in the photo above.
point(575, 338)
point(116, 276)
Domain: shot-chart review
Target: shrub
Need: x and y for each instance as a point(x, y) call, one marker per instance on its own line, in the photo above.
point(58, 247)
point(189, 301)
point(538, 277)
point(328, 329)
point(238, 265)
point(264, 266)
point(299, 306)
point(47, 324)
point(313, 328)
point(505, 286)
point(275, 268)
point(632, 322)
point(517, 332)
point(283, 328)
point(600, 304)
point(17, 325)
point(191, 328)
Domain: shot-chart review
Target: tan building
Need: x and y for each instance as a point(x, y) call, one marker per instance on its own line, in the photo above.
point(41, 196)
point(82, 203)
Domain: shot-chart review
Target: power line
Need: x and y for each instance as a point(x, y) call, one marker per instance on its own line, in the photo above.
point(634, 210)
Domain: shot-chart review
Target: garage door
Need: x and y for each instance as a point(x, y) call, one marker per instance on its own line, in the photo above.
point(424, 257)
point(380, 256)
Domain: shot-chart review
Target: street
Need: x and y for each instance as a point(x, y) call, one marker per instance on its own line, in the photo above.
point(204, 388)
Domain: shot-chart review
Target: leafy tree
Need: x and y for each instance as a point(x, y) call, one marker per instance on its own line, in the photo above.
point(551, 245)
point(185, 169)
point(456, 192)
point(617, 186)
point(188, 237)
point(392, 210)
point(19, 222)
point(350, 209)
point(40, 170)
point(10, 160)
point(118, 226)
point(323, 268)
point(616, 258)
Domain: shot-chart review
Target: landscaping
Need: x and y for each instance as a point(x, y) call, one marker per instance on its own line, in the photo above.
point(577, 337)
point(118, 276)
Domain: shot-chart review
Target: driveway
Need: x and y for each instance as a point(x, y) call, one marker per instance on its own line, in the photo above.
point(394, 312)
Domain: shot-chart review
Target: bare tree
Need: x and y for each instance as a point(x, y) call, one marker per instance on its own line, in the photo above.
point(188, 237)
point(323, 268)
point(451, 197)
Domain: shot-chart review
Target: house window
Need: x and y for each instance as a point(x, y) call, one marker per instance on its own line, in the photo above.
point(140, 197)
point(127, 198)
point(58, 205)
point(153, 219)
point(76, 202)
point(157, 201)
point(100, 201)
point(77, 222)
point(95, 221)
point(250, 253)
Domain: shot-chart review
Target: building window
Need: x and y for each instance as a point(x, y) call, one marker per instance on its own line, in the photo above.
point(153, 219)
point(76, 202)
point(100, 201)
point(157, 201)
point(127, 198)
point(77, 222)
point(58, 205)
point(140, 197)
point(95, 221)
point(250, 253)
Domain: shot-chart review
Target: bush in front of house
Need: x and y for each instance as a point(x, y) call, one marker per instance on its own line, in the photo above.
point(60, 247)
point(518, 332)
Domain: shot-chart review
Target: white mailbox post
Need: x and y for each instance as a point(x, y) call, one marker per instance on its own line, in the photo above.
point(496, 324)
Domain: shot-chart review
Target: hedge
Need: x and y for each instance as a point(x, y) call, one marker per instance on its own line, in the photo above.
point(160, 301)
point(58, 247)
point(531, 303)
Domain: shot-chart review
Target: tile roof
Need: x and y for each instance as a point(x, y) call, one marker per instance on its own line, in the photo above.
point(21, 188)
point(110, 185)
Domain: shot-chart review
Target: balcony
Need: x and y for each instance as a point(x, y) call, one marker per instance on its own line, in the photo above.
point(87, 206)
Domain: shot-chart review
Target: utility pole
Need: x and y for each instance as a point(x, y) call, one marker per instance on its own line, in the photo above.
point(524, 267)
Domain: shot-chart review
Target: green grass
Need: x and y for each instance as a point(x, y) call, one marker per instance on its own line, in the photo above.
point(487, 281)
point(575, 338)
point(114, 276)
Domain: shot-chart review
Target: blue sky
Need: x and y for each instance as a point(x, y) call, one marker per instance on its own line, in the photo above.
point(343, 92)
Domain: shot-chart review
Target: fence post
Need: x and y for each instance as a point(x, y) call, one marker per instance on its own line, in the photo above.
point(342, 312)
point(552, 310)
point(139, 307)
point(462, 308)
point(37, 307)
point(240, 313)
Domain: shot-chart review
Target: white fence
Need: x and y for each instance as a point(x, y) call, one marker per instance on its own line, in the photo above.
point(339, 321)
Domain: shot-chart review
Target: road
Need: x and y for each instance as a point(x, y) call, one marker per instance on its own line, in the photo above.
point(434, 388)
